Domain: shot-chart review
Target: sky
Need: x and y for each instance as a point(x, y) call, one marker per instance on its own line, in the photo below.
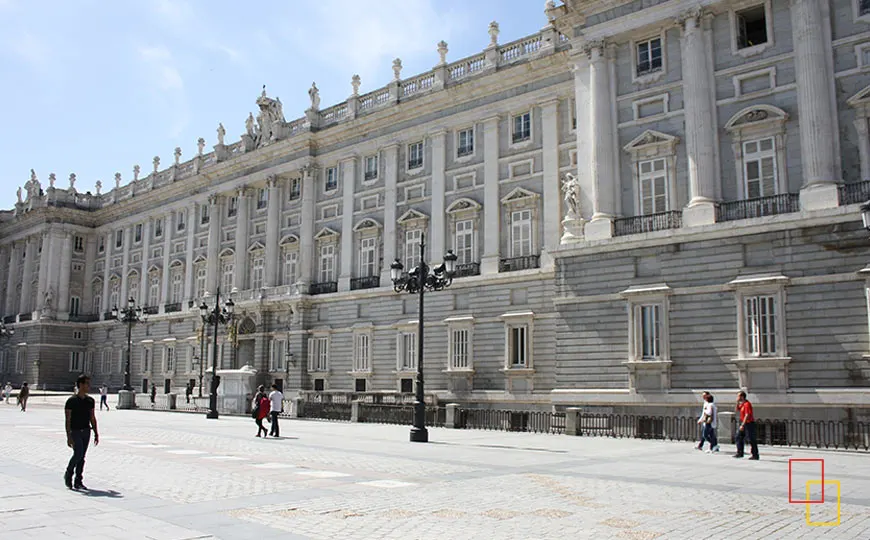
point(95, 87)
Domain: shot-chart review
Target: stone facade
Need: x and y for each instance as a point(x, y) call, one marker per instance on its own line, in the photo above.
point(718, 151)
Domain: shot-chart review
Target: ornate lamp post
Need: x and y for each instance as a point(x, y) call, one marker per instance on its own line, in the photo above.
point(6, 332)
point(200, 360)
point(215, 317)
point(129, 315)
point(865, 215)
point(417, 281)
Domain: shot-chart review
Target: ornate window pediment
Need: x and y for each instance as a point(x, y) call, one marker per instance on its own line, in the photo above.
point(228, 252)
point(861, 99)
point(327, 235)
point(366, 224)
point(289, 241)
point(256, 246)
point(651, 141)
point(758, 118)
point(413, 217)
point(463, 205)
point(154, 269)
point(177, 263)
point(200, 260)
point(519, 196)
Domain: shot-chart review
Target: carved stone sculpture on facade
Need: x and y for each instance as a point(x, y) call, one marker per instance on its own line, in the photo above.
point(51, 180)
point(572, 223)
point(314, 95)
point(72, 182)
point(117, 180)
point(270, 121)
point(221, 133)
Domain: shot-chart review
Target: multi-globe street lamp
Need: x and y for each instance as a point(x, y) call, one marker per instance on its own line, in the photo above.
point(418, 280)
point(130, 315)
point(6, 332)
point(865, 215)
point(215, 317)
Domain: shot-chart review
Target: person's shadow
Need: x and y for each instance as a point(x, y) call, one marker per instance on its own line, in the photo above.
point(112, 494)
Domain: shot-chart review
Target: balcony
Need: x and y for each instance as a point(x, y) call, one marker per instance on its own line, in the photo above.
point(9, 319)
point(151, 310)
point(519, 263)
point(467, 269)
point(368, 282)
point(108, 316)
point(370, 175)
point(323, 288)
point(84, 318)
point(760, 207)
point(25, 317)
point(648, 223)
point(854, 193)
point(465, 151)
point(172, 308)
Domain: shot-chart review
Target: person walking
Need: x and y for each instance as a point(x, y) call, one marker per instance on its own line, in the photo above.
point(704, 395)
point(23, 394)
point(710, 423)
point(260, 409)
point(80, 419)
point(747, 427)
point(104, 396)
point(276, 400)
point(153, 394)
point(188, 389)
point(8, 391)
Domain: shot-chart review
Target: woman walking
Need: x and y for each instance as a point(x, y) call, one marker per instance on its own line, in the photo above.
point(23, 394)
point(260, 409)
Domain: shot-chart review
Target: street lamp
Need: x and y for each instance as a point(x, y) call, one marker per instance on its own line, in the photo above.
point(215, 317)
point(6, 332)
point(865, 215)
point(199, 360)
point(130, 315)
point(418, 280)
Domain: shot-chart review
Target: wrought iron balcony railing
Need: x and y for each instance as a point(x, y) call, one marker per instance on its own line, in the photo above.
point(323, 288)
point(368, 282)
point(151, 310)
point(9, 319)
point(854, 193)
point(467, 269)
point(172, 308)
point(514, 264)
point(648, 223)
point(84, 317)
point(762, 206)
point(108, 316)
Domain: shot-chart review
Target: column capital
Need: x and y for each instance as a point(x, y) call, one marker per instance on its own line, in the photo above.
point(243, 191)
point(349, 157)
point(272, 180)
point(549, 103)
point(595, 50)
point(689, 18)
point(213, 200)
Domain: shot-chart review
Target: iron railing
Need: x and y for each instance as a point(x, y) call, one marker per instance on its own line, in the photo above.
point(648, 223)
point(519, 263)
point(108, 316)
point(84, 318)
point(836, 434)
point(368, 282)
point(172, 308)
point(9, 319)
point(673, 428)
point(467, 269)
point(399, 414)
point(505, 420)
point(380, 398)
point(325, 411)
point(323, 288)
point(25, 317)
point(854, 193)
point(151, 310)
point(762, 206)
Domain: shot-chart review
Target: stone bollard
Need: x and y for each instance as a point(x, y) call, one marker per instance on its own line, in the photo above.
point(126, 399)
point(451, 419)
point(171, 399)
point(572, 421)
point(297, 408)
point(354, 410)
point(725, 427)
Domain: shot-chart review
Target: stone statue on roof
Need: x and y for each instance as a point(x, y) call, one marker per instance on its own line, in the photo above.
point(271, 111)
point(249, 125)
point(314, 95)
point(221, 133)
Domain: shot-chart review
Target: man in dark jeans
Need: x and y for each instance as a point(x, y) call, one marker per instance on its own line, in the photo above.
point(747, 427)
point(276, 405)
point(80, 418)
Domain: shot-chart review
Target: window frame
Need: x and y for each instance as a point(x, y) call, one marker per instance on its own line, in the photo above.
point(758, 157)
point(512, 321)
point(262, 198)
point(468, 153)
point(859, 7)
point(318, 353)
point(326, 270)
point(75, 305)
point(294, 190)
point(158, 228)
point(76, 361)
point(370, 174)
point(204, 214)
point(638, 298)
point(258, 269)
point(653, 74)
point(330, 179)
point(362, 351)
point(734, 21)
point(119, 238)
point(652, 177)
point(78, 244)
point(415, 152)
point(743, 128)
point(526, 136)
point(513, 225)
point(406, 350)
point(747, 287)
point(462, 324)
point(289, 254)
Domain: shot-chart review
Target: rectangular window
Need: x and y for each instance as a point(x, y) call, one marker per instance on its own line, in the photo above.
point(257, 269)
point(79, 244)
point(181, 217)
point(146, 359)
point(650, 319)
point(751, 27)
point(412, 248)
point(227, 276)
point(760, 325)
point(137, 233)
point(371, 169)
point(518, 346)
point(262, 198)
point(20, 358)
point(327, 264)
point(158, 228)
point(521, 233)
point(361, 352)
point(459, 348)
point(649, 56)
point(368, 257)
point(407, 348)
point(331, 179)
point(465, 242)
point(204, 215)
point(759, 165)
point(653, 176)
point(102, 245)
point(177, 286)
point(522, 127)
point(465, 140)
point(119, 238)
point(153, 291)
point(318, 354)
point(295, 190)
point(232, 206)
point(134, 286)
point(415, 155)
point(290, 258)
point(863, 7)
point(277, 353)
point(106, 361)
point(75, 304)
point(201, 273)
point(169, 359)
point(75, 361)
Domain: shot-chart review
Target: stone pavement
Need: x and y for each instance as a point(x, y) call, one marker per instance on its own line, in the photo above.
point(173, 476)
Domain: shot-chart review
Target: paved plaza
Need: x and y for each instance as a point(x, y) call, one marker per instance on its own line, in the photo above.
point(173, 476)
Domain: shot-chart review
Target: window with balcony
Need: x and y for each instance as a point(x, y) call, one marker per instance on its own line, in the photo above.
point(464, 242)
point(97, 295)
point(258, 263)
point(406, 348)
point(232, 206)
point(653, 188)
point(262, 198)
point(759, 168)
point(331, 179)
point(318, 354)
point(114, 292)
point(649, 56)
point(368, 257)
point(371, 168)
point(227, 274)
point(133, 281)
point(521, 233)
point(177, 289)
point(78, 244)
point(412, 248)
point(465, 142)
point(204, 214)
point(295, 190)
point(415, 155)
point(153, 290)
point(75, 303)
point(327, 263)
point(291, 257)
point(521, 127)
point(201, 273)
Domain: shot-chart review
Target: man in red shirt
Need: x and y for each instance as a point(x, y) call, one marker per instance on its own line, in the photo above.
point(747, 427)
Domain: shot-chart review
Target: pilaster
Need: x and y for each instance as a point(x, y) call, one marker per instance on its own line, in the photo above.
point(27, 276)
point(65, 268)
point(583, 106)
point(90, 260)
point(862, 126)
point(214, 243)
point(306, 236)
point(11, 286)
point(240, 272)
point(348, 182)
point(188, 262)
point(273, 228)
point(603, 153)
point(107, 273)
point(551, 184)
point(390, 156)
point(168, 229)
point(491, 202)
point(125, 269)
point(437, 245)
point(146, 256)
point(43, 279)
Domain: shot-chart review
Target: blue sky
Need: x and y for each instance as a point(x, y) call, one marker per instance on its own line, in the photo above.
point(95, 87)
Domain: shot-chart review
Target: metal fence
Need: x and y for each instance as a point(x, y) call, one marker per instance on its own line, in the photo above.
point(399, 414)
point(325, 411)
point(672, 428)
point(836, 434)
point(505, 420)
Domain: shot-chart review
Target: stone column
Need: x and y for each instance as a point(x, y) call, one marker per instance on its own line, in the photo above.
point(273, 229)
point(390, 155)
point(146, 257)
point(603, 152)
point(552, 187)
point(167, 251)
point(583, 105)
point(44, 279)
point(125, 268)
point(65, 268)
point(306, 229)
point(12, 277)
point(107, 273)
point(439, 156)
point(491, 201)
point(214, 244)
point(4, 256)
point(240, 272)
point(862, 126)
point(347, 248)
point(816, 119)
point(90, 260)
point(700, 135)
point(188, 263)
point(27, 276)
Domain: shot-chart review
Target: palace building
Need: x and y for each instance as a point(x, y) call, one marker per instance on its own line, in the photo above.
point(646, 198)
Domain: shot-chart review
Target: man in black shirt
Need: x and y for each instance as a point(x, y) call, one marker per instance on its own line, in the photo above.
point(79, 419)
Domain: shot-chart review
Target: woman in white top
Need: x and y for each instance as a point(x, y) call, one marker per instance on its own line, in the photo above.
point(710, 422)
